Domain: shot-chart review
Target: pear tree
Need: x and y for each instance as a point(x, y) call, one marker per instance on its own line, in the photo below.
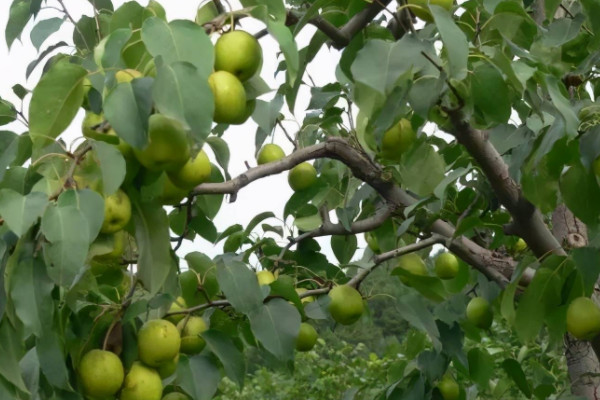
point(467, 131)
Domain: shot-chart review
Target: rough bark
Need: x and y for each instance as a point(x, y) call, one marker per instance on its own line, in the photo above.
point(582, 361)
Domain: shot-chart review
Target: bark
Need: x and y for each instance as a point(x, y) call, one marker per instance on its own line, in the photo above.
point(582, 361)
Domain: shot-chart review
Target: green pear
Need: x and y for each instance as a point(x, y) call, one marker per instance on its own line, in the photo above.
point(141, 383)
point(195, 171)
point(229, 96)
point(397, 140)
point(307, 337)
point(190, 331)
point(583, 318)
point(269, 153)
point(172, 195)
point(168, 148)
point(158, 342)
point(446, 266)
point(346, 305)
point(239, 53)
point(101, 373)
point(265, 277)
point(302, 176)
point(127, 75)
point(479, 313)
point(117, 212)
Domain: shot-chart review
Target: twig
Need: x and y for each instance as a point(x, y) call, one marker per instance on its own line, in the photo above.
point(77, 158)
point(287, 135)
point(354, 282)
point(380, 258)
point(70, 18)
point(188, 218)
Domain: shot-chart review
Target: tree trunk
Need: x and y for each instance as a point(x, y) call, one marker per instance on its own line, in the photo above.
point(582, 363)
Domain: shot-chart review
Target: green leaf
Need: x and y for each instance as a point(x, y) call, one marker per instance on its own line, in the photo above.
point(179, 41)
point(90, 203)
point(265, 115)
point(455, 42)
point(8, 113)
point(422, 170)
point(481, 366)
point(206, 13)
point(221, 152)
point(30, 289)
point(182, 93)
point(540, 187)
point(18, 17)
point(21, 212)
point(128, 107)
point(490, 94)
point(592, 10)
point(198, 376)
point(515, 372)
point(428, 286)
point(587, 262)
point(257, 220)
point(556, 91)
point(67, 248)
point(417, 312)
point(240, 285)
point(112, 166)
point(542, 295)
point(273, 14)
point(344, 247)
point(55, 101)
point(232, 359)
point(108, 54)
point(14, 150)
point(155, 264)
point(50, 351)
point(43, 29)
point(393, 60)
point(311, 12)
point(210, 204)
point(11, 346)
point(276, 326)
point(581, 193)
point(32, 65)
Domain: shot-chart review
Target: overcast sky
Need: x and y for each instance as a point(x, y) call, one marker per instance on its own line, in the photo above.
point(268, 194)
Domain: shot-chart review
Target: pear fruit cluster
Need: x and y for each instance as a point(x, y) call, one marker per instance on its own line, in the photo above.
point(159, 344)
point(238, 57)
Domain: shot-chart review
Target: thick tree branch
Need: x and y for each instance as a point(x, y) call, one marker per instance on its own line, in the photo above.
point(341, 37)
point(328, 228)
point(527, 220)
point(498, 269)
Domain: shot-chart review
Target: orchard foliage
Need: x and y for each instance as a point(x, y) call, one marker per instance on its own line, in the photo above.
point(514, 83)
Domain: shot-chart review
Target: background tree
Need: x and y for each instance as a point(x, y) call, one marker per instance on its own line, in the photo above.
point(473, 128)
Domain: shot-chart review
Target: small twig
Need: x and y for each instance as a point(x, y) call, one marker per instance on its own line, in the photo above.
point(380, 258)
point(77, 158)
point(188, 218)
point(287, 135)
point(461, 102)
point(97, 20)
point(70, 18)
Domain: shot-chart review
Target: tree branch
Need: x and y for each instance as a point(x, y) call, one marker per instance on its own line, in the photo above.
point(498, 269)
point(355, 281)
point(527, 220)
point(381, 258)
point(341, 37)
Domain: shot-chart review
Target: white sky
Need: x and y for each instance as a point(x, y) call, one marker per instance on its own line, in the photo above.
point(268, 194)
